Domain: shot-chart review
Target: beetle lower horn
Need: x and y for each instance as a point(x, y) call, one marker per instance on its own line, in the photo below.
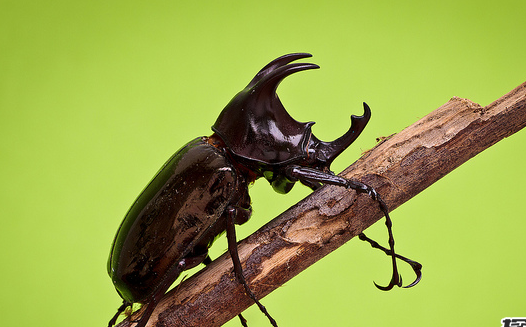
point(328, 151)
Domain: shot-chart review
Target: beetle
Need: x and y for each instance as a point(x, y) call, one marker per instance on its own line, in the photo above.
point(202, 190)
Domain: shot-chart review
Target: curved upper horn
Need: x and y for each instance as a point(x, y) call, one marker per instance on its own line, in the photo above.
point(255, 125)
point(276, 63)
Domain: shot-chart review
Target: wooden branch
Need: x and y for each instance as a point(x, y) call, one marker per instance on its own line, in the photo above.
point(398, 168)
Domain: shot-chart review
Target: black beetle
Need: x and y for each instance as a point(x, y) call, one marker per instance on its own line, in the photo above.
point(202, 190)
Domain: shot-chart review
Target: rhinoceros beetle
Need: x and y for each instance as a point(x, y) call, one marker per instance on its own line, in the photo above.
point(202, 190)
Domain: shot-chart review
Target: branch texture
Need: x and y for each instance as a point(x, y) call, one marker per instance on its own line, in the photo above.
point(398, 168)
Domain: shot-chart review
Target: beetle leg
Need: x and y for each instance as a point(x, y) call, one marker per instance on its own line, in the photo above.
point(311, 175)
point(119, 311)
point(313, 185)
point(417, 267)
point(243, 320)
point(208, 261)
point(173, 273)
point(238, 270)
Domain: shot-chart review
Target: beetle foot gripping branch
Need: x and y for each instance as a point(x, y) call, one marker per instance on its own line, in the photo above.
point(202, 190)
point(417, 267)
point(310, 176)
point(396, 279)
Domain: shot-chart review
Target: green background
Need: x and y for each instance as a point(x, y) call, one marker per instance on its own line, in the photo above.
point(96, 95)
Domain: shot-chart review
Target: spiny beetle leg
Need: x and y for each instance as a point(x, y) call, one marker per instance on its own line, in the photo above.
point(417, 267)
point(310, 176)
point(238, 270)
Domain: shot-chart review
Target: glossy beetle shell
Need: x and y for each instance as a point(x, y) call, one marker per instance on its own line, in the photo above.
point(174, 217)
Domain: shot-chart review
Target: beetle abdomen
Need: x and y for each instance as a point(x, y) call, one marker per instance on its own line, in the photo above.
point(170, 217)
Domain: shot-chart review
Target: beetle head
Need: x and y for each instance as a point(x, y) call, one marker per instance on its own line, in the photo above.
point(260, 133)
point(255, 126)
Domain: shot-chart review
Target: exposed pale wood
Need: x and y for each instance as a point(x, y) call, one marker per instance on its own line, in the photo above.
point(399, 168)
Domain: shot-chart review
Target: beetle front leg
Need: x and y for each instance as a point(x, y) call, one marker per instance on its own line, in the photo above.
point(417, 267)
point(310, 175)
point(233, 212)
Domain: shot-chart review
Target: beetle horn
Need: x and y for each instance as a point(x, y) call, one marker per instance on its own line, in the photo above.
point(267, 84)
point(255, 125)
point(276, 63)
point(328, 151)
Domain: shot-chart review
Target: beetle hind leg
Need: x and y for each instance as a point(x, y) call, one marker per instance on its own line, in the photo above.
point(119, 311)
point(173, 273)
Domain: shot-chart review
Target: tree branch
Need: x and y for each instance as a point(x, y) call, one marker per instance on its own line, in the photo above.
point(398, 168)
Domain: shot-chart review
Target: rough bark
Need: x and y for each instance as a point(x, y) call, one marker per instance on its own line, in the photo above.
point(398, 168)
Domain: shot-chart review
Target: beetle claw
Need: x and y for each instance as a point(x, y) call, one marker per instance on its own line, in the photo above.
point(417, 268)
point(383, 288)
point(418, 271)
point(392, 284)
